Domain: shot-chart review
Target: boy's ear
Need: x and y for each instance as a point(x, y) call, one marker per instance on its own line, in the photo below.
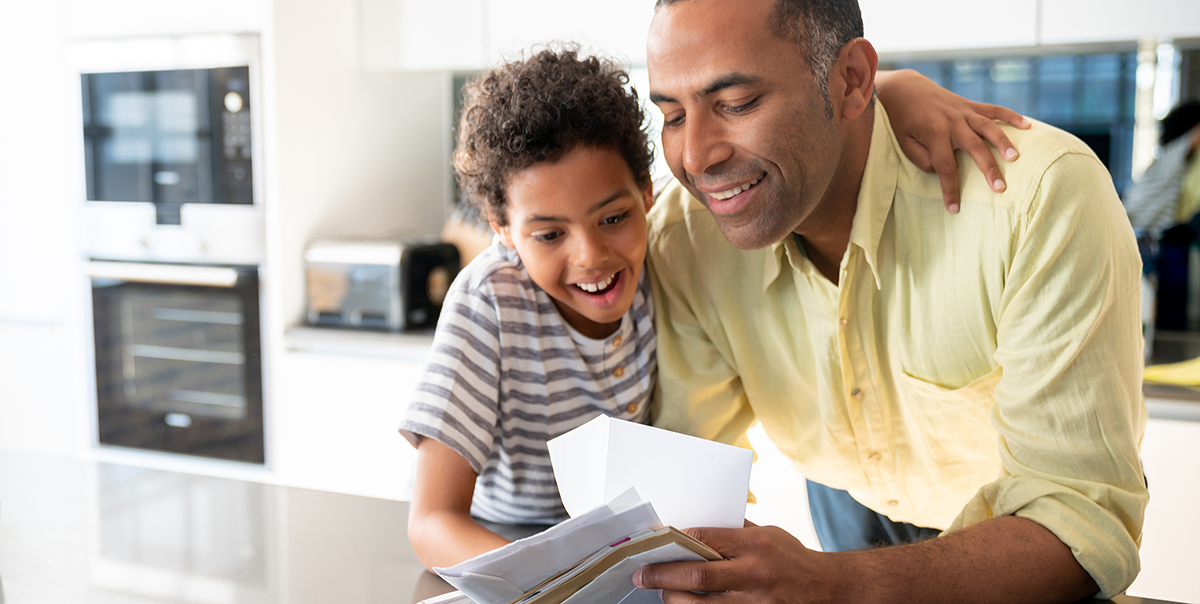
point(648, 197)
point(503, 232)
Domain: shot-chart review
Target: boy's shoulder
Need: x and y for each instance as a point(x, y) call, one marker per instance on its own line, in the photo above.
point(496, 271)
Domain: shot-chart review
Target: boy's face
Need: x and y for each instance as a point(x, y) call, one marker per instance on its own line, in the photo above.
point(579, 226)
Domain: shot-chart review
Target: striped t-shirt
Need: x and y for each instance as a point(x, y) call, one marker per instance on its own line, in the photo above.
point(506, 374)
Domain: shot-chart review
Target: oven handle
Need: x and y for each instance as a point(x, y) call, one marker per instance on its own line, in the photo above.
point(171, 274)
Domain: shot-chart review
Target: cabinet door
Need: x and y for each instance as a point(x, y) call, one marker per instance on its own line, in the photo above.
point(948, 24)
point(616, 27)
point(418, 35)
point(1082, 21)
point(332, 423)
point(1171, 457)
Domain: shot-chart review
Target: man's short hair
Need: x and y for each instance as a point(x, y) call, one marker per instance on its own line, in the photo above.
point(538, 110)
point(819, 27)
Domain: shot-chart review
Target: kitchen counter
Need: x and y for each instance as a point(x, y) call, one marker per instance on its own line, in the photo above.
point(74, 531)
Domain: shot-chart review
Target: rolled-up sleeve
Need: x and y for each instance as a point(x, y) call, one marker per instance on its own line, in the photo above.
point(1069, 407)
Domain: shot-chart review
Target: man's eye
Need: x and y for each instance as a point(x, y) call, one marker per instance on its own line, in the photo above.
point(616, 219)
point(673, 122)
point(740, 108)
point(547, 237)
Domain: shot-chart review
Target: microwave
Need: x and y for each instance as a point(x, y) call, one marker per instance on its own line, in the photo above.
point(171, 142)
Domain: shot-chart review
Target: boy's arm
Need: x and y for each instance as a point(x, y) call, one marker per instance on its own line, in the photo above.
point(440, 526)
point(930, 122)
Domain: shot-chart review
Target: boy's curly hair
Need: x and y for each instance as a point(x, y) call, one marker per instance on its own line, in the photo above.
point(539, 109)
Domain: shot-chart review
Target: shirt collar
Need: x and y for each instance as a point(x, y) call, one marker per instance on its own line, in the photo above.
point(875, 195)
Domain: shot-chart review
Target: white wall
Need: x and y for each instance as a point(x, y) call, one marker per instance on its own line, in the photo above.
point(353, 152)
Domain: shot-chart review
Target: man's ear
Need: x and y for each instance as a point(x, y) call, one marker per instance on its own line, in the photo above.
point(852, 79)
point(503, 232)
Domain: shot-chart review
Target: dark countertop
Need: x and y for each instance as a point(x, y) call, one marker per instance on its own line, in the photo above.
point(74, 531)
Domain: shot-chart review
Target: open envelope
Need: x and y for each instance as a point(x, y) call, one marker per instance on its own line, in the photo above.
point(691, 481)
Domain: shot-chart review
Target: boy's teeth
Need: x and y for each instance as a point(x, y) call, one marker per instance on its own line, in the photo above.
point(734, 191)
point(595, 287)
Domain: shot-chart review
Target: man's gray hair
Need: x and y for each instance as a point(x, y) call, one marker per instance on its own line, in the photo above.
point(819, 27)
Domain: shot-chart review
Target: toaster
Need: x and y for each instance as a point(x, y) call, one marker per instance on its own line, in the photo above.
point(393, 285)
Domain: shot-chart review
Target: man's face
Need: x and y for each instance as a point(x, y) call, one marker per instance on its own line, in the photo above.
point(745, 128)
point(579, 226)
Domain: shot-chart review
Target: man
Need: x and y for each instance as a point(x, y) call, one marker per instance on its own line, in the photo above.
point(977, 373)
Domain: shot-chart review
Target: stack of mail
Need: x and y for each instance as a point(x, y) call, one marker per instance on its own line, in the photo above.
point(592, 556)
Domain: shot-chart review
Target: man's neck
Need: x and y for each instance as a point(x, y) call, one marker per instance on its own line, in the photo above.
point(825, 233)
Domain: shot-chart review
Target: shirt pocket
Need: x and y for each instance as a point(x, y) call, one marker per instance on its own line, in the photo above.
point(951, 426)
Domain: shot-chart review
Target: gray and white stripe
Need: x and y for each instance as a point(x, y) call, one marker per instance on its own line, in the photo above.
point(506, 374)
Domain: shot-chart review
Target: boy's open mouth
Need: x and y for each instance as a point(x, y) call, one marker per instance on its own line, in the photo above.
point(602, 287)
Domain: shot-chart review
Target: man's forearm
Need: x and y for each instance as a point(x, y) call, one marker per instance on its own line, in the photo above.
point(1003, 560)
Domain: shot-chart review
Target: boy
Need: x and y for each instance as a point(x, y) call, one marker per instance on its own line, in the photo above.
point(553, 324)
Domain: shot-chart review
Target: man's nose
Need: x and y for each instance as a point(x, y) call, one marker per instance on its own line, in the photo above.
point(591, 249)
point(704, 143)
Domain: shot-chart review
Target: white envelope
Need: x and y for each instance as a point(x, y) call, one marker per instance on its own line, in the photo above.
point(690, 481)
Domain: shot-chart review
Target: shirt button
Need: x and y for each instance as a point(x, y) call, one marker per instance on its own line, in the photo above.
point(843, 321)
point(617, 341)
point(875, 458)
point(857, 393)
point(632, 408)
point(619, 372)
point(893, 503)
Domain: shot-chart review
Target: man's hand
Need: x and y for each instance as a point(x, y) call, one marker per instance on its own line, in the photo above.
point(763, 565)
point(930, 122)
point(997, 561)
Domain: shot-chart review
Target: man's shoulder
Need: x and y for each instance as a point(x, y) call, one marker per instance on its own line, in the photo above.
point(1041, 147)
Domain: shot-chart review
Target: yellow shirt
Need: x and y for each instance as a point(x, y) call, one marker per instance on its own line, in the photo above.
point(968, 366)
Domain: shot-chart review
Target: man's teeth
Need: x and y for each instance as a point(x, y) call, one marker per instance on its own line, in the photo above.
point(595, 287)
point(734, 191)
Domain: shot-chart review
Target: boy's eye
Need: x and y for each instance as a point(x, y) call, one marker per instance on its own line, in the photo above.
point(547, 237)
point(615, 219)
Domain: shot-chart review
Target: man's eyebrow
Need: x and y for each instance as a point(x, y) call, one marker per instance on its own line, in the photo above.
point(595, 208)
point(728, 81)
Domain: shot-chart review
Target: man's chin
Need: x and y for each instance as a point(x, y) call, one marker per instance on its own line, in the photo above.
point(747, 237)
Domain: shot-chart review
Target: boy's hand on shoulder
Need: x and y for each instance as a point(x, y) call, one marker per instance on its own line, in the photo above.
point(930, 122)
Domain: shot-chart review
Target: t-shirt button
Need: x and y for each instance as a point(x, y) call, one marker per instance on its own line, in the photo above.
point(632, 408)
point(857, 393)
point(617, 341)
point(619, 372)
point(893, 503)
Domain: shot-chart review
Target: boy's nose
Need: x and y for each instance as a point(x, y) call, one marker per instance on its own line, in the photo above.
point(591, 250)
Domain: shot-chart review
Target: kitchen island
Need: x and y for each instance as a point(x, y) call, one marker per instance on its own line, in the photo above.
point(75, 531)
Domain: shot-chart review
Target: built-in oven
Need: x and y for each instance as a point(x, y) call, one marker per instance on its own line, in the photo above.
point(174, 231)
point(178, 358)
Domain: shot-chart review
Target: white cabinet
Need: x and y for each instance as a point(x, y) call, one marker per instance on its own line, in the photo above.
point(420, 35)
point(616, 27)
point(1083, 21)
point(948, 24)
point(121, 18)
point(333, 419)
point(1171, 456)
point(43, 389)
point(474, 34)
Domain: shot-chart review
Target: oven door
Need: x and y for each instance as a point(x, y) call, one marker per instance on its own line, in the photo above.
point(178, 358)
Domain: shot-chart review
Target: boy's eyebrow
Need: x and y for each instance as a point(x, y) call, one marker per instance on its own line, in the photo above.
point(595, 208)
point(721, 83)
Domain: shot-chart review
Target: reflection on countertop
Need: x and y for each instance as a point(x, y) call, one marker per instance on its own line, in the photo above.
point(78, 531)
point(75, 531)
